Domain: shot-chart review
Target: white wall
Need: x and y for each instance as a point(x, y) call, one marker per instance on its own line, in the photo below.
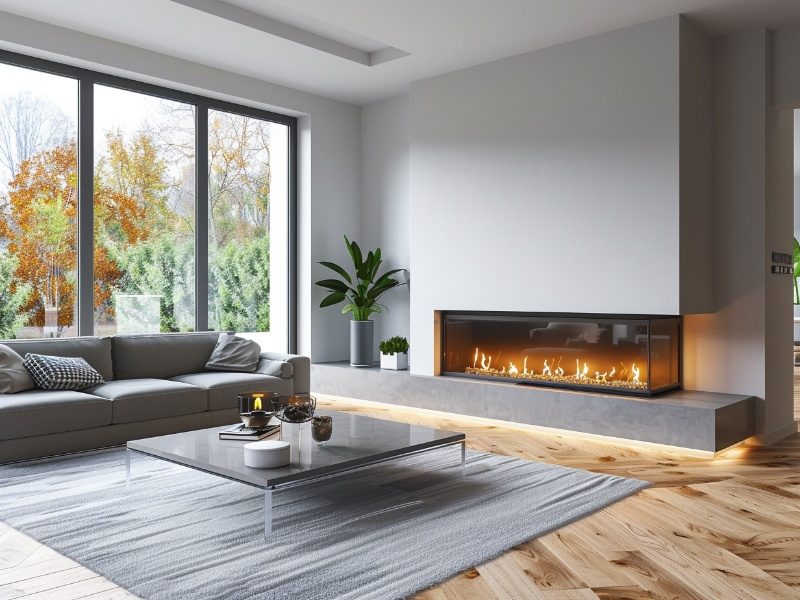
point(724, 351)
point(329, 156)
point(745, 347)
point(550, 182)
point(385, 200)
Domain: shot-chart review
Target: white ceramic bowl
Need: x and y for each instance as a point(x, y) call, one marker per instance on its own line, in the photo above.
point(267, 454)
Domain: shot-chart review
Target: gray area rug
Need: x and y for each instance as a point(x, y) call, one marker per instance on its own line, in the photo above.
point(384, 532)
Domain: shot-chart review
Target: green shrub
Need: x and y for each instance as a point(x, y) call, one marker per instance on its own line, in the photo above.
point(394, 345)
point(239, 286)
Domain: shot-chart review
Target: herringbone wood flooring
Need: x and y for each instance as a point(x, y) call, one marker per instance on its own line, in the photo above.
point(722, 528)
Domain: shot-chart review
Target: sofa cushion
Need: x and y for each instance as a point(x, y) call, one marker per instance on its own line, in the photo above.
point(233, 353)
point(95, 350)
point(136, 400)
point(39, 412)
point(61, 372)
point(14, 377)
point(162, 355)
point(223, 388)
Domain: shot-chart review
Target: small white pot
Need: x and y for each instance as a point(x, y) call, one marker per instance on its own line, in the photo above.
point(396, 361)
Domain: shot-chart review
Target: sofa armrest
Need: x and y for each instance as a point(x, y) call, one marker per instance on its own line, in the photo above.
point(302, 369)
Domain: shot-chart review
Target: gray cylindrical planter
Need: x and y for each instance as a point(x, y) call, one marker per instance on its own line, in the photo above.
point(362, 336)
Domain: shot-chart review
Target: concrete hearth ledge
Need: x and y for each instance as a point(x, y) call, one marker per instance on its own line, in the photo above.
point(706, 421)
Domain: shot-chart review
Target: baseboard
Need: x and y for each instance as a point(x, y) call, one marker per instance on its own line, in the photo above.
point(767, 439)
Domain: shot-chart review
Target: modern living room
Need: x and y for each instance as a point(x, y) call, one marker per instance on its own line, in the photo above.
point(376, 300)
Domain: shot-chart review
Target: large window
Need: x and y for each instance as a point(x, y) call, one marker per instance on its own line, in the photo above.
point(144, 210)
point(131, 208)
point(248, 189)
point(39, 201)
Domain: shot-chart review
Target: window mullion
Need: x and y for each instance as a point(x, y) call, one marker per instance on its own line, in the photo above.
point(85, 206)
point(201, 217)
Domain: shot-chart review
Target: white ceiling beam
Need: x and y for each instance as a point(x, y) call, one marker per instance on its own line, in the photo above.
point(265, 24)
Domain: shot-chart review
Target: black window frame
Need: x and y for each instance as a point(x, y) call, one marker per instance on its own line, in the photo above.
point(86, 80)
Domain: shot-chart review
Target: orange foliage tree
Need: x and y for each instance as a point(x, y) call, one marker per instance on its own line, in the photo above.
point(39, 225)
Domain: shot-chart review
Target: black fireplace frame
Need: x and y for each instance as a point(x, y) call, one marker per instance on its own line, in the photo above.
point(589, 317)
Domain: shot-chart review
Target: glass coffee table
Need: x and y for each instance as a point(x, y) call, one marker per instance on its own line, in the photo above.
point(357, 442)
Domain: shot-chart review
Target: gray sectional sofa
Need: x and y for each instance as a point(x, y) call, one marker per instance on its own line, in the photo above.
point(155, 384)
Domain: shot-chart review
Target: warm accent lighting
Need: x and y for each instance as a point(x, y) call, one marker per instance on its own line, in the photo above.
point(257, 401)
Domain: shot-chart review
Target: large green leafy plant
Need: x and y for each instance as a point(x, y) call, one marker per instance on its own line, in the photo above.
point(360, 292)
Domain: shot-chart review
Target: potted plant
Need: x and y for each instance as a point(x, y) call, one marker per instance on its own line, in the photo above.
point(360, 293)
point(394, 353)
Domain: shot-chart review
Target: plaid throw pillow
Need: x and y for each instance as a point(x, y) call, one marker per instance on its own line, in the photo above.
point(60, 373)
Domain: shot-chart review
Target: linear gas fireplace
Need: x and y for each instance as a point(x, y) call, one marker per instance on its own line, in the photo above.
point(638, 355)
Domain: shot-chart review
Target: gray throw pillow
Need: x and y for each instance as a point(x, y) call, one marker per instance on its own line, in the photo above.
point(14, 377)
point(276, 368)
point(233, 353)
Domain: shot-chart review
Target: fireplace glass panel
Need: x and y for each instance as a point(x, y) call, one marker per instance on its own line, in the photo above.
point(620, 354)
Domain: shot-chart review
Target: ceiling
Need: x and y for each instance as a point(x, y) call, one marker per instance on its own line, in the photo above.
point(360, 51)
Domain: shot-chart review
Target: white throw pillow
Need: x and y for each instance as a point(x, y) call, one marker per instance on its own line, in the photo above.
point(14, 377)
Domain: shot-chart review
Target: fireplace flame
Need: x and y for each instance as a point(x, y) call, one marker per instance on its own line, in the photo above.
point(581, 374)
point(553, 372)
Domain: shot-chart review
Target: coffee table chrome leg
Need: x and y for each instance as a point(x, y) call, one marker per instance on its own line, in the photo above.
point(127, 467)
point(267, 512)
point(463, 456)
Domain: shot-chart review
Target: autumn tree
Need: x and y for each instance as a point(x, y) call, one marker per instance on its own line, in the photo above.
point(39, 227)
point(134, 169)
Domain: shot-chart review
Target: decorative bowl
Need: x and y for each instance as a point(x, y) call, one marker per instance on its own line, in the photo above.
point(258, 419)
point(294, 409)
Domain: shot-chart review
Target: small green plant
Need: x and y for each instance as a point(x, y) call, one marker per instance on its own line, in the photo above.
point(394, 345)
point(360, 293)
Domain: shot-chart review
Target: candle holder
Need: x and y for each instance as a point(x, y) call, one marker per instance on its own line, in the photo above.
point(294, 409)
point(253, 409)
point(321, 429)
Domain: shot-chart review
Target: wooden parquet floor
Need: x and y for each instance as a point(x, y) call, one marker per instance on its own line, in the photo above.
point(721, 528)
